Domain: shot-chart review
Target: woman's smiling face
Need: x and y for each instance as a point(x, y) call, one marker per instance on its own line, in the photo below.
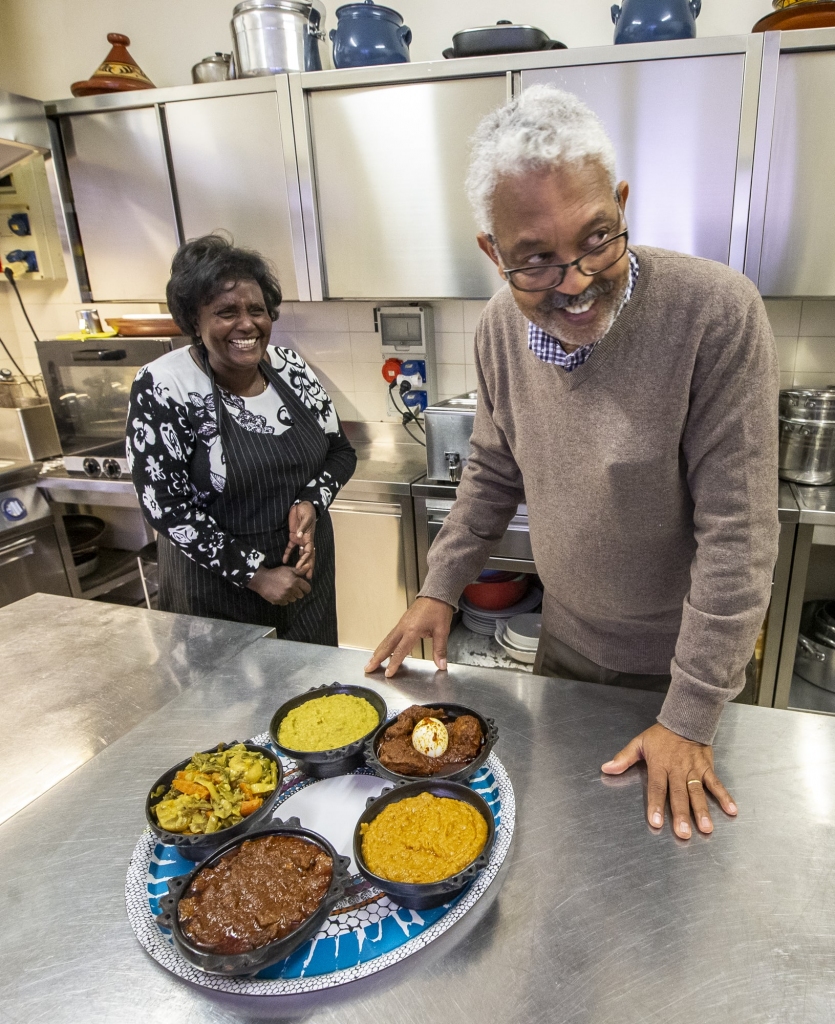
point(235, 327)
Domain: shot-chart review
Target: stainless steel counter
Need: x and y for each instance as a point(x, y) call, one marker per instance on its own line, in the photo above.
point(597, 919)
point(77, 675)
point(816, 504)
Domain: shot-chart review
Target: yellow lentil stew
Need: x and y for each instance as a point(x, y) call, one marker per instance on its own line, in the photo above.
point(423, 839)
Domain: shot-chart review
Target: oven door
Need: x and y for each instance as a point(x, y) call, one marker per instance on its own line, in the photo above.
point(31, 563)
point(513, 552)
point(89, 384)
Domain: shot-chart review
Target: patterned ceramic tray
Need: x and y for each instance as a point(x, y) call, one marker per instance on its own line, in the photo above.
point(365, 932)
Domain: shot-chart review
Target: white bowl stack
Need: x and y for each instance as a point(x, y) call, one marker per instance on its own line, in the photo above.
point(486, 622)
point(519, 636)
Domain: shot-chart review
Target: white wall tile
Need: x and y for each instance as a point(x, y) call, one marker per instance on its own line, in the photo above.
point(813, 380)
point(784, 316)
point(325, 346)
point(473, 308)
point(815, 355)
point(368, 376)
point(321, 316)
point(345, 405)
point(786, 352)
point(334, 376)
point(786, 380)
point(450, 347)
point(449, 316)
point(818, 319)
point(472, 380)
point(286, 317)
point(360, 316)
point(371, 405)
point(365, 347)
point(452, 380)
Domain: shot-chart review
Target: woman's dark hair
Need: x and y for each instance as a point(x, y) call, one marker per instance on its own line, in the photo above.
point(203, 267)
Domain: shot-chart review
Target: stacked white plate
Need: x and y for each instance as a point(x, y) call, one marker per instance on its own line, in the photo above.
point(519, 636)
point(482, 621)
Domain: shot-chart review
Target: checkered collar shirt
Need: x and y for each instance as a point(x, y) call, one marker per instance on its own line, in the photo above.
point(546, 347)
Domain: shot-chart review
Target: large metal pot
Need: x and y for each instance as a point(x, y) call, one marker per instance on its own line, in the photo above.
point(807, 436)
point(272, 36)
point(815, 662)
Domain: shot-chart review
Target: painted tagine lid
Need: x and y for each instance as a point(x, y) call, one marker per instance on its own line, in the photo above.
point(118, 72)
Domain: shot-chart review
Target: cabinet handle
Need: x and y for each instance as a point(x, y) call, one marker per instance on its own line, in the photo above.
point(16, 550)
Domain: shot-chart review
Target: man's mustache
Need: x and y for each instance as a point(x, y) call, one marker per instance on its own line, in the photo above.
point(557, 300)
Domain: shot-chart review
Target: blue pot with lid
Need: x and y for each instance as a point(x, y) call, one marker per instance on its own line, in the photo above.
point(368, 34)
point(646, 21)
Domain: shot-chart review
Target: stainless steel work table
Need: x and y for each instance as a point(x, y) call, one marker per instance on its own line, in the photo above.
point(597, 919)
point(76, 675)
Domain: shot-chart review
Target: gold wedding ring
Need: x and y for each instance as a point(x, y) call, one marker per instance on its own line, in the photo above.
point(691, 781)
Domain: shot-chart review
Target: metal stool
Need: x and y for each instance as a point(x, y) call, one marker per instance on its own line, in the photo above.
point(147, 557)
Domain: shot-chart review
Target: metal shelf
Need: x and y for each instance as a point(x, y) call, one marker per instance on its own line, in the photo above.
point(115, 569)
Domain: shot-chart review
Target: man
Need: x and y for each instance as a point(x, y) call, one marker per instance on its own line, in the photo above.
point(630, 398)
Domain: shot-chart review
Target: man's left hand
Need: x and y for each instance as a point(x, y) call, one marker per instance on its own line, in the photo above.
point(683, 767)
point(302, 525)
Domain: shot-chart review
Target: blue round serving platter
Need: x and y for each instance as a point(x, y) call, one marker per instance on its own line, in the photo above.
point(365, 932)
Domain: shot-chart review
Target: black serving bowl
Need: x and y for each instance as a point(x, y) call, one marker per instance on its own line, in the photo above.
point(237, 964)
point(326, 764)
point(196, 847)
point(452, 772)
point(424, 895)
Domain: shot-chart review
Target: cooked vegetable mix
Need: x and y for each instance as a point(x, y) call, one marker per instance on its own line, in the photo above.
point(215, 791)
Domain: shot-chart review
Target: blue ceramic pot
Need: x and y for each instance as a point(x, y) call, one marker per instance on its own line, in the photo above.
point(648, 21)
point(367, 34)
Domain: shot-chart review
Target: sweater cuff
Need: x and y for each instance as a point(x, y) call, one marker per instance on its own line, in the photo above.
point(692, 708)
point(441, 590)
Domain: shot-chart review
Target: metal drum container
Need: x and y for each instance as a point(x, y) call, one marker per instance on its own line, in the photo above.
point(807, 436)
point(272, 36)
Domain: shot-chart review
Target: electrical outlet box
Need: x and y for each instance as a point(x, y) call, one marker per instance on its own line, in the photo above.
point(408, 333)
point(27, 223)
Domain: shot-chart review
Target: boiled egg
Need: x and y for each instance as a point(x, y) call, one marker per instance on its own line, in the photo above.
point(430, 737)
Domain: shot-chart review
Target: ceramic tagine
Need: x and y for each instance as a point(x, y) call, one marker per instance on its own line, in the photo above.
point(118, 72)
point(646, 21)
point(791, 14)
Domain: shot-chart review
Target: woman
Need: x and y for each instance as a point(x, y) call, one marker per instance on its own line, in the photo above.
point(236, 453)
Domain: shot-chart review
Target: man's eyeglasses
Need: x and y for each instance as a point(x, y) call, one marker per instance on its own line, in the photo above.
point(552, 275)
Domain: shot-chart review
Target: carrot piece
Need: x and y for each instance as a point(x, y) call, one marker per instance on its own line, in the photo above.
point(245, 789)
point(248, 806)
point(191, 788)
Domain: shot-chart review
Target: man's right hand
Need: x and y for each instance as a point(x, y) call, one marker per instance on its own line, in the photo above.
point(279, 586)
point(429, 619)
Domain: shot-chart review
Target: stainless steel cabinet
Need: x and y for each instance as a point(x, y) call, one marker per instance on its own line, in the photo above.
point(376, 574)
point(800, 210)
point(234, 166)
point(389, 165)
point(117, 167)
point(675, 125)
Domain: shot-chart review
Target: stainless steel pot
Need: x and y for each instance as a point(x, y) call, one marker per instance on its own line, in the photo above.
point(815, 663)
point(807, 436)
point(271, 36)
point(218, 67)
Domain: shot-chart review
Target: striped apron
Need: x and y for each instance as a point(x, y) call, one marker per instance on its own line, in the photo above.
point(264, 475)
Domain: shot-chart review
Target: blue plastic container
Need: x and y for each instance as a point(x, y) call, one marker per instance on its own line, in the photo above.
point(368, 34)
point(647, 21)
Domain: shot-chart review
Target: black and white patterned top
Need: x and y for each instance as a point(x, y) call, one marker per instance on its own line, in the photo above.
point(176, 453)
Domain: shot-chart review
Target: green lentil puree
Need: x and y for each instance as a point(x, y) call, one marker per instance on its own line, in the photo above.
point(327, 722)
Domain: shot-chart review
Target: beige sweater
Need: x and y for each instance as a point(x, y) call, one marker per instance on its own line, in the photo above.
point(650, 476)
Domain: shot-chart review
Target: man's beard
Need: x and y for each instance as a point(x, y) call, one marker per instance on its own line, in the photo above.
point(609, 296)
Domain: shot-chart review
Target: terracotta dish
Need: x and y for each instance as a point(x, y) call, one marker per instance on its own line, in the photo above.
point(803, 14)
point(118, 72)
point(144, 325)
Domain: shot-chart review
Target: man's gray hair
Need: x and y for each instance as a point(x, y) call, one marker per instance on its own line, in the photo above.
point(543, 127)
